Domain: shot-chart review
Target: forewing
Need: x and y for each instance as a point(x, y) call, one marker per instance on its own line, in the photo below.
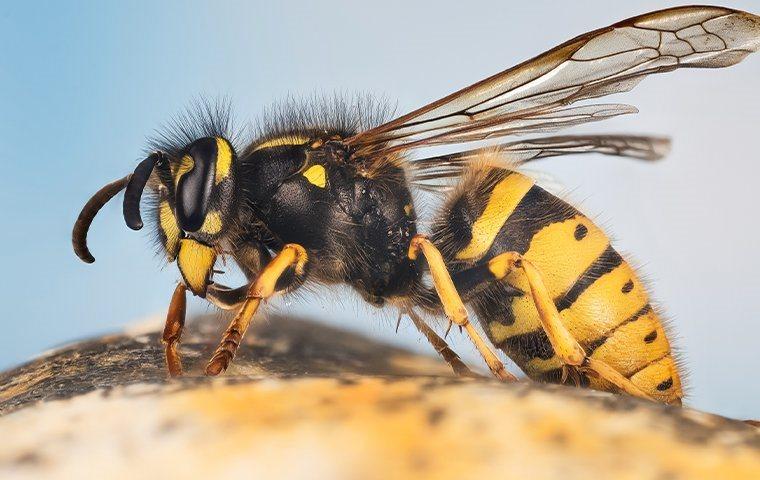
point(598, 63)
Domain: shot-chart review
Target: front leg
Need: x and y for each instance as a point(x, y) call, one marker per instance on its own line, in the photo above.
point(175, 323)
point(263, 287)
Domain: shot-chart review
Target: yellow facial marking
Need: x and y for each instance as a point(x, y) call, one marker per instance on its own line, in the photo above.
point(283, 141)
point(212, 224)
point(408, 209)
point(185, 165)
point(223, 160)
point(195, 262)
point(168, 224)
point(505, 197)
point(316, 175)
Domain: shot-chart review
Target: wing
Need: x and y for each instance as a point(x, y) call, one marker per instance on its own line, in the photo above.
point(441, 167)
point(534, 95)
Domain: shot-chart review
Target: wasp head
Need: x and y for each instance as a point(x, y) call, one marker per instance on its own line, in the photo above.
point(195, 205)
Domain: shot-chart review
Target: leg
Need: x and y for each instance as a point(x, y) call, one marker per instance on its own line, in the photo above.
point(226, 298)
point(452, 304)
point(263, 287)
point(175, 321)
point(563, 343)
point(440, 346)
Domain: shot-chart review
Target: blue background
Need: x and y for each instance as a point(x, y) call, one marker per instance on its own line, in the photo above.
point(83, 83)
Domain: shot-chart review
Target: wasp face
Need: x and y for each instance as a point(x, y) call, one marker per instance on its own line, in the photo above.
point(195, 207)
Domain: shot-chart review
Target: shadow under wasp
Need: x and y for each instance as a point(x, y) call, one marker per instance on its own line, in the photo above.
point(325, 196)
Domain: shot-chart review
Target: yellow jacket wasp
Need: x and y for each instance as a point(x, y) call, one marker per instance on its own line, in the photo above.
point(326, 196)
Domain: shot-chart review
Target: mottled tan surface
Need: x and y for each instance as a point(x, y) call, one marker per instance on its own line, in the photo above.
point(307, 401)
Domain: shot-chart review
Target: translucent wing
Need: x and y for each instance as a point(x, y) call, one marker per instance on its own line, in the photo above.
point(428, 172)
point(536, 93)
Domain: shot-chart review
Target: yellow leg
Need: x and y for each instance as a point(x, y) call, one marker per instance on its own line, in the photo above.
point(565, 346)
point(175, 322)
point(452, 304)
point(262, 288)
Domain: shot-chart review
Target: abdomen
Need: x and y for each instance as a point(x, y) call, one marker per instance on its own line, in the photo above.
point(598, 294)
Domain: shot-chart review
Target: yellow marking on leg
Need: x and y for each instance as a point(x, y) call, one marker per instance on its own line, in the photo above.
point(452, 303)
point(316, 175)
point(603, 305)
point(168, 224)
point(291, 255)
point(284, 141)
point(223, 160)
point(195, 262)
point(505, 197)
point(565, 346)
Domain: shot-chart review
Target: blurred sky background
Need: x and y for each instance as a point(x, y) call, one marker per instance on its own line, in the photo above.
point(83, 83)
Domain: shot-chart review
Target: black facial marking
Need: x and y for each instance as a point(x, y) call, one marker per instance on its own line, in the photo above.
point(627, 287)
point(665, 385)
point(651, 337)
point(581, 231)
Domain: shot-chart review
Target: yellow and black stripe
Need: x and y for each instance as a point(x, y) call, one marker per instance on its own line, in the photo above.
point(600, 299)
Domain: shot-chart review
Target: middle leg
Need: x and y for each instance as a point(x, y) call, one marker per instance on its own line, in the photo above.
point(263, 287)
point(452, 303)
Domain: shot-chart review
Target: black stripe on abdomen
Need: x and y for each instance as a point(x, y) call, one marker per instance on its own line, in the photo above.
point(605, 263)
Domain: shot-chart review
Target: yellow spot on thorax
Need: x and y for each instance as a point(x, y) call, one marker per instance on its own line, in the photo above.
point(316, 175)
point(505, 197)
point(223, 160)
point(195, 262)
point(283, 141)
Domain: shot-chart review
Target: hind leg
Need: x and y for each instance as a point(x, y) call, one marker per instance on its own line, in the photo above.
point(564, 344)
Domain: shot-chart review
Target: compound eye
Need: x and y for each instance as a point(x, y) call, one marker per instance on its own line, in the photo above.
point(195, 180)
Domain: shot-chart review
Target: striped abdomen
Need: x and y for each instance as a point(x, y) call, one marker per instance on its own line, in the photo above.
point(599, 296)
